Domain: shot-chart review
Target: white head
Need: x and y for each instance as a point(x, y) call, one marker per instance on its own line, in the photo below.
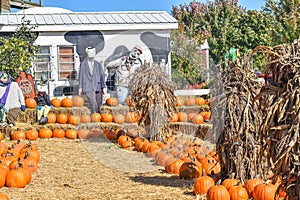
point(42, 85)
point(41, 88)
point(90, 52)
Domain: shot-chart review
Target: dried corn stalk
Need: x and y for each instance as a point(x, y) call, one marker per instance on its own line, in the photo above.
point(236, 120)
point(281, 124)
point(152, 93)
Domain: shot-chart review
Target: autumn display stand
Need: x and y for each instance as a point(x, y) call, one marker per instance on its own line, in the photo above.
point(27, 120)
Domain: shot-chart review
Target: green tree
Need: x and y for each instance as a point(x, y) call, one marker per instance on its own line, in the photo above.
point(285, 15)
point(17, 52)
point(187, 62)
point(186, 58)
point(224, 24)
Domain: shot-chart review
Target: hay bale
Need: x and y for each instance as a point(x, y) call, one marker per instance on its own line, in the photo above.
point(29, 116)
point(194, 109)
point(18, 127)
point(71, 111)
point(187, 128)
point(120, 109)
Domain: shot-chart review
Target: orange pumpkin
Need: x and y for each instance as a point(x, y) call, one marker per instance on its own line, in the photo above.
point(83, 133)
point(190, 116)
point(112, 101)
point(3, 148)
point(51, 117)
point(58, 133)
point(109, 134)
point(205, 115)
point(14, 163)
point(71, 134)
point(218, 192)
point(179, 102)
point(210, 165)
point(67, 102)
point(74, 119)
point(200, 101)
point(189, 170)
point(119, 118)
point(139, 142)
point(129, 102)
point(30, 103)
point(202, 184)
point(250, 185)
point(197, 119)
point(230, 182)
point(125, 141)
point(32, 134)
point(96, 117)
point(78, 101)
point(107, 117)
point(85, 118)
point(174, 117)
point(45, 133)
point(189, 101)
point(62, 118)
point(18, 135)
point(182, 117)
point(131, 117)
point(16, 178)
point(35, 154)
point(238, 192)
point(174, 166)
point(153, 149)
point(3, 196)
point(264, 191)
point(32, 164)
point(56, 102)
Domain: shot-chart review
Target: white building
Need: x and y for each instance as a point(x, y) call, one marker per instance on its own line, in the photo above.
point(63, 35)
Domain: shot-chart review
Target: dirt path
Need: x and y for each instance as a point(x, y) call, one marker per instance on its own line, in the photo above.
point(75, 170)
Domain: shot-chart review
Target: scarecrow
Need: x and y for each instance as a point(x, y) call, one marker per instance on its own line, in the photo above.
point(11, 100)
point(42, 99)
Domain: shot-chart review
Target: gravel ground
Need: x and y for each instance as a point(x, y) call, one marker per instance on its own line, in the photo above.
point(97, 169)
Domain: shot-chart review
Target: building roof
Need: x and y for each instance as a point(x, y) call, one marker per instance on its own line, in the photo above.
point(64, 20)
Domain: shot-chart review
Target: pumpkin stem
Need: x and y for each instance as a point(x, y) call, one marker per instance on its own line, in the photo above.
point(26, 154)
point(219, 182)
point(203, 172)
point(268, 182)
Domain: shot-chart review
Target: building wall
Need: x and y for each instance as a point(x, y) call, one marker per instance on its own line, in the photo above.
point(109, 46)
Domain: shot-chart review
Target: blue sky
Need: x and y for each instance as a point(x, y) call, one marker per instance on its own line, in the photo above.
point(130, 5)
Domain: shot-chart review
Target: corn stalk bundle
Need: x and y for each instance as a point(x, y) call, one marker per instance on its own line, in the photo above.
point(152, 93)
point(236, 120)
point(281, 124)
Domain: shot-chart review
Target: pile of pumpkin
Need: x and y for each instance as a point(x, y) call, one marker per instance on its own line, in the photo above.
point(191, 101)
point(17, 164)
point(129, 117)
point(195, 118)
point(44, 132)
point(78, 101)
point(192, 159)
point(233, 189)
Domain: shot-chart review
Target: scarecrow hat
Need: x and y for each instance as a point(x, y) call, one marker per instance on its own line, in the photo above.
point(138, 48)
point(44, 80)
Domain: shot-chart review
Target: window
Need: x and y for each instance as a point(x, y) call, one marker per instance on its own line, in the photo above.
point(66, 62)
point(42, 62)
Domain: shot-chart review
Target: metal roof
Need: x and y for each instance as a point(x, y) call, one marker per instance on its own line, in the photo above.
point(65, 21)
